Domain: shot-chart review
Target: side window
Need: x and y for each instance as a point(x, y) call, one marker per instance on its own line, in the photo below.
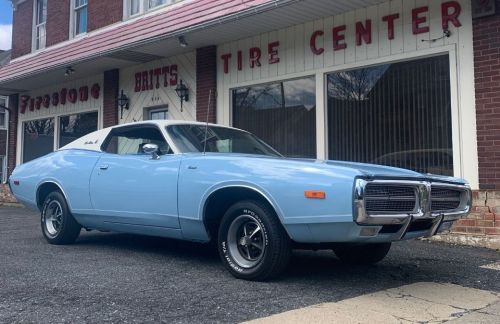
point(129, 141)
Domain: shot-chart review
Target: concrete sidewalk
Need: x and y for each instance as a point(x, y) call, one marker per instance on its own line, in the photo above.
point(424, 302)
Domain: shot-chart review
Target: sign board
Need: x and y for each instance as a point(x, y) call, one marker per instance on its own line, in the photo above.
point(483, 8)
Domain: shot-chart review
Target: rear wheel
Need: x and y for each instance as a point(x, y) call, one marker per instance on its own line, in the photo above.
point(252, 242)
point(58, 225)
point(362, 253)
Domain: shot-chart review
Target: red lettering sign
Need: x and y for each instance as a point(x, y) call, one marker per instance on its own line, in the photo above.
point(272, 50)
point(95, 91)
point(312, 43)
point(255, 55)
point(173, 75)
point(64, 93)
point(339, 37)
point(451, 16)
point(390, 24)
point(364, 32)
point(23, 104)
point(46, 101)
point(84, 93)
point(418, 20)
point(55, 99)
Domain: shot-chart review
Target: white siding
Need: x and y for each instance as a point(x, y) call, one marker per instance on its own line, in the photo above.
point(186, 64)
point(296, 59)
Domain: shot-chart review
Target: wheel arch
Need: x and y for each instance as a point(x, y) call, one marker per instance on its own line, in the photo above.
point(220, 199)
point(45, 188)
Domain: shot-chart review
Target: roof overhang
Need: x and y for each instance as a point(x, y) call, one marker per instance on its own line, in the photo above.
point(156, 36)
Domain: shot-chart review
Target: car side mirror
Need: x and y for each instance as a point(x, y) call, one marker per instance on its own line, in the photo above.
point(151, 149)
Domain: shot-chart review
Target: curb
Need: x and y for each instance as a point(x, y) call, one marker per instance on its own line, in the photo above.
point(15, 205)
point(485, 241)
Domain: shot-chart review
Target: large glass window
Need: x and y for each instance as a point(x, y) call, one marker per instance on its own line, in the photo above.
point(282, 114)
point(396, 114)
point(135, 7)
point(156, 3)
point(38, 138)
point(76, 126)
point(80, 16)
point(40, 34)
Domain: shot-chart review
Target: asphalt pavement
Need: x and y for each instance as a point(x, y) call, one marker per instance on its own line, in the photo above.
point(107, 277)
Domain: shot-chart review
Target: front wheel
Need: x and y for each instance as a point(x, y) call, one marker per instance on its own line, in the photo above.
point(58, 225)
point(252, 242)
point(362, 253)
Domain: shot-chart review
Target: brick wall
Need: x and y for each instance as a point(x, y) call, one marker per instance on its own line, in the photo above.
point(487, 79)
point(206, 80)
point(22, 25)
point(58, 13)
point(110, 93)
point(104, 13)
point(485, 216)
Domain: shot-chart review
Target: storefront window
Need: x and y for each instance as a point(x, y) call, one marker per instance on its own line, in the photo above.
point(283, 114)
point(396, 114)
point(38, 138)
point(76, 126)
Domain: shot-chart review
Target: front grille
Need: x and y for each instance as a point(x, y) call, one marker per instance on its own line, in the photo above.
point(390, 198)
point(445, 199)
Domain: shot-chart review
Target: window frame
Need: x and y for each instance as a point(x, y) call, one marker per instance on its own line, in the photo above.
point(461, 167)
point(57, 129)
point(150, 110)
point(120, 129)
point(5, 126)
point(21, 130)
point(73, 20)
point(144, 8)
point(36, 25)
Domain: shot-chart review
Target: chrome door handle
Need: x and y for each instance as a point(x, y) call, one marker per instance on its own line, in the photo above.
point(104, 167)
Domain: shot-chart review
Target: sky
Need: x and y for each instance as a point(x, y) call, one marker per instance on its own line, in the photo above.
point(5, 24)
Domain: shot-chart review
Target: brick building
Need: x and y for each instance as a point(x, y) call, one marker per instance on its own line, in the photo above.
point(413, 84)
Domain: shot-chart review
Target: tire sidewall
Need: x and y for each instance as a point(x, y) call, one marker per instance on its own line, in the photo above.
point(244, 208)
point(54, 196)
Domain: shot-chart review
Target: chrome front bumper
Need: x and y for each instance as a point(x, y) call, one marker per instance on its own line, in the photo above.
point(439, 220)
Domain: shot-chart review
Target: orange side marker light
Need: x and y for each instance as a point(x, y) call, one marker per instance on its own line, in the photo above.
point(313, 194)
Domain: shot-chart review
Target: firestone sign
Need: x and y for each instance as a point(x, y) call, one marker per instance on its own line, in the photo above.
point(61, 97)
point(450, 14)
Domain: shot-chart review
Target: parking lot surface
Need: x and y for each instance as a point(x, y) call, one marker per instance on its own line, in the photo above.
point(107, 277)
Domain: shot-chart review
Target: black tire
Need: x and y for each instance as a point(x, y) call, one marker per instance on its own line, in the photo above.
point(269, 261)
point(58, 225)
point(362, 253)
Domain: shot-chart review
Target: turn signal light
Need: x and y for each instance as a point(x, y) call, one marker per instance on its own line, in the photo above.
point(312, 194)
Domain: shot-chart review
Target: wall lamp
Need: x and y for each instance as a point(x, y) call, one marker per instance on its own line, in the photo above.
point(182, 41)
point(183, 92)
point(69, 71)
point(123, 102)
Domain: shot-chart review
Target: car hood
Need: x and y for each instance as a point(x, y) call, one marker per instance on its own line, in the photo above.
point(360, 169)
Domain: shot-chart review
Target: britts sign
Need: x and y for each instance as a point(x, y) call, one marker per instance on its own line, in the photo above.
point(62, 97)
point(450, 16)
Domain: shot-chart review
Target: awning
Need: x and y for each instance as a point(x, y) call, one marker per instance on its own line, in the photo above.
point(153, 36)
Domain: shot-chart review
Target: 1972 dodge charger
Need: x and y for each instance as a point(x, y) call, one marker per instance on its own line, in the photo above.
point(201, 182)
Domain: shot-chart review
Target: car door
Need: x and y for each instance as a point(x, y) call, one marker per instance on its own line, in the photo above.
point(128, 186)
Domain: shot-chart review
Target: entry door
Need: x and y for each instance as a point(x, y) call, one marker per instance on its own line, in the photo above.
point(130, 187)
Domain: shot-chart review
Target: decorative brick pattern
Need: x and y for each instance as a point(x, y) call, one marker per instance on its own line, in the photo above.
point(104, 13)
point(485, 215)
point(22, 26)
point(58, 13)
point(206, 81)
point(110, 93)
point(487, 76)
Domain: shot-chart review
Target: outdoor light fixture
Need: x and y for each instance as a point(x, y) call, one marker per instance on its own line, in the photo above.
point(183, 92)
point(69, 71)
point(122, 101)
point(182, 41)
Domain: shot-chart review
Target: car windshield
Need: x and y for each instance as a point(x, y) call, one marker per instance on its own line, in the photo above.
point(191, 138)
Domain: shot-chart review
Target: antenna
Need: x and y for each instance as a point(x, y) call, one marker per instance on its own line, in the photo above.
point(206, 125)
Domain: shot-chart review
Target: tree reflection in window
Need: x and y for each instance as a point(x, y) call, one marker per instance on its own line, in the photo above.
point(38, 138)
point(283, 114)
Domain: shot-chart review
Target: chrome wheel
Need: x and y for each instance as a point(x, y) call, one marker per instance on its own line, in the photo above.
point(246, 242)
point(53, 217)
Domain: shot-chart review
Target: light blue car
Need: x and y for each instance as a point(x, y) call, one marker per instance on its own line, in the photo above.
point(204, 182)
